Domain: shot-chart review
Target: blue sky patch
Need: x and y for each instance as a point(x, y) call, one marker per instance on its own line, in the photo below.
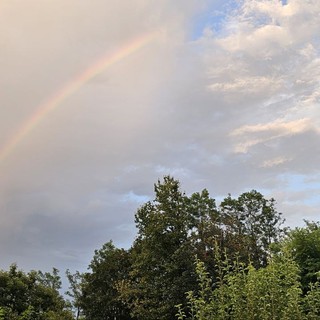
point(212, 17)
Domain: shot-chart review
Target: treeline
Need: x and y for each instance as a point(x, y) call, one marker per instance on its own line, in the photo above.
point(193, 259)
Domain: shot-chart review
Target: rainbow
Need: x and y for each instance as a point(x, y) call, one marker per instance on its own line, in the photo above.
point(70, 88)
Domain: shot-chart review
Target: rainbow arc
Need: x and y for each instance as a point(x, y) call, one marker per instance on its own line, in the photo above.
point(70, 88)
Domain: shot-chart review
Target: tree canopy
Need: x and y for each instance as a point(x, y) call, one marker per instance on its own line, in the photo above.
point(32, 296)
point(304, 246)
point(173, 229)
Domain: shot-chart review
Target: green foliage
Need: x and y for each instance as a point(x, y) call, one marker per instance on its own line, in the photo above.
point(174, 227)
point(162, 269)
point(251, 224)
point(100, 298)
point(244, 292)
point(32, 295)
point(312, 301)
point(241, 291)
point(304, 245)
point(75, 291)
point(244, 269)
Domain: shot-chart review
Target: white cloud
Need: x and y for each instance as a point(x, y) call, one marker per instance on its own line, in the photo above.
point(274, 162)
point(251, 135)
point(281, 127)
point(247, 85)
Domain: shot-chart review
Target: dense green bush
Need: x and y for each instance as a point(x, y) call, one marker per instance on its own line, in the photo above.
point(244, 292)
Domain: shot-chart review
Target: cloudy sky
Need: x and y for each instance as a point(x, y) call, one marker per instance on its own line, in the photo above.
point(99, 99)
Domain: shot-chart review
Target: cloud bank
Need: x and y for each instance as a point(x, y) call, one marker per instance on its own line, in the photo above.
point(224, 97)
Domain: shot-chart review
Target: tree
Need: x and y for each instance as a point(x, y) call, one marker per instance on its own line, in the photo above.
point(244, 292)
point(304, 245)
point(251, 223)
point(32, 295)
point(172, 229)
point(148, 280)
point(162, 254)
point(287, 287)
point(75, 291)
point(100, 298)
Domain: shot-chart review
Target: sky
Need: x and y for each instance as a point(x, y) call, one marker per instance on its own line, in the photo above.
point(100, 99)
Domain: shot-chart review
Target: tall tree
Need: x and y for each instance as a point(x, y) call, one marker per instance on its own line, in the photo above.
point(172, 229)
point(100, 298)
point(251, 223)
point(162, 269)
point(206, 227)
point(75, 291)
